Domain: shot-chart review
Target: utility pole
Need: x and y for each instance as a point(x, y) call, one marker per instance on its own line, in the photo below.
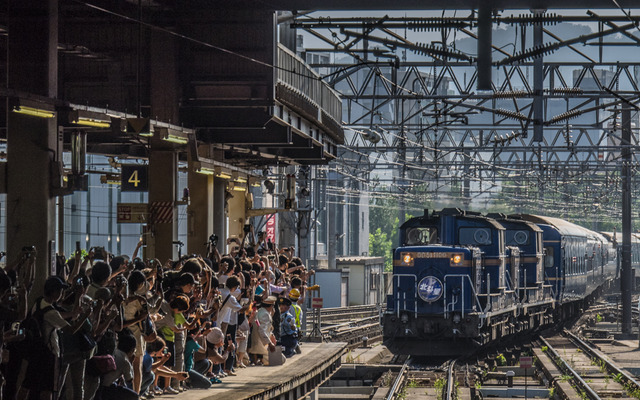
point(625, 276)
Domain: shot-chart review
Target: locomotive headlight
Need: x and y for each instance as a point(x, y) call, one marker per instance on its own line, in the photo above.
point(456, 259)
point(407, 259)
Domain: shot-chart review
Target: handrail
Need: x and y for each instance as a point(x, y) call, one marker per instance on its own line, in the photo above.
point(462, 278)
point(295, 73)
point(396, 298)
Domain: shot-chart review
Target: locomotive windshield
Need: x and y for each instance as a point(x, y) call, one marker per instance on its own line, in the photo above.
point(474, 236)
point(517, 238)
point(421, 236)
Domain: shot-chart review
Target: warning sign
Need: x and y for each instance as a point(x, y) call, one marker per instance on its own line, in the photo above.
point(526, 362)
point(133, 213)
point(316, 302)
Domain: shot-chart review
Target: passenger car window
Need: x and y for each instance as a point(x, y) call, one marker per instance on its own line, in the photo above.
point(548, 257)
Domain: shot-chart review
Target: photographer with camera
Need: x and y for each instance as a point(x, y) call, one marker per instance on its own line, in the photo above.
point(45, 349)
point(212, 247)
point(13, 311)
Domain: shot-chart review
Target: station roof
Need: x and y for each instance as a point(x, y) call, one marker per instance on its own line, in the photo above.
point(441, 4)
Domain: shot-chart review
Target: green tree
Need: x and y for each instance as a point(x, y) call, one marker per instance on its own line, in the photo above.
point(380, 246)
point(383, 215)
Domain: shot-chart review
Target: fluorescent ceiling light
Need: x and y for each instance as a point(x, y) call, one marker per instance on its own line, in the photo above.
point(239, 188)
point(241, 179)
point(92, 122)
point(34, 112)
point(176, 139)
point(205, 171)
point(223, 175)
point(89, 118)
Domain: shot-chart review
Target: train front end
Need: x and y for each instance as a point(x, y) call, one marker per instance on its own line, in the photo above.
point(434, 308)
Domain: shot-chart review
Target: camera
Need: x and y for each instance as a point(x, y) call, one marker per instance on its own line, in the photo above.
point(247, 228)
point(29, 250)
point(213, 239)
point(15, 327)
point(99, 252)
point(270, 245)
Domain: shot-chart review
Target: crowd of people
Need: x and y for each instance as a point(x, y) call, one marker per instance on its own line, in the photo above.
point(114, 327)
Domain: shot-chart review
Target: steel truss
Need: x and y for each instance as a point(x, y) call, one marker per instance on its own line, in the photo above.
point(424, 119)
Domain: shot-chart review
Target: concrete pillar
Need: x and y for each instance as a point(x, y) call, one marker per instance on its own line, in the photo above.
point(32, 56)
point(163, 174)
point(219, 213)
point(199, 212)
point(163, 164)
point(237, 213)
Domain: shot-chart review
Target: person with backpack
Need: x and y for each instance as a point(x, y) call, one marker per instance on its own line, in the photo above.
point(43, 325)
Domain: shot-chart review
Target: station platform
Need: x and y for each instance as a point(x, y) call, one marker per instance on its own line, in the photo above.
point(298, 377)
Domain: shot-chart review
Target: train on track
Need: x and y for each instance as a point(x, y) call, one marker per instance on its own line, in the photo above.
point(462, 280)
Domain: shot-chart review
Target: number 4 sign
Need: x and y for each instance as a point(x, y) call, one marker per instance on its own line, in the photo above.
point(134, 178)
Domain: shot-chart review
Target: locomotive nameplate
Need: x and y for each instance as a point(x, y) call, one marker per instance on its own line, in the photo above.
point(430, 289)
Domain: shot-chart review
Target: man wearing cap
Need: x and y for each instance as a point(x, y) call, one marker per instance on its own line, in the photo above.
point(288, 330)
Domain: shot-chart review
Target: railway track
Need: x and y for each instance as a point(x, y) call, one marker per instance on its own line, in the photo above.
point(352, 325)
point(577, 370)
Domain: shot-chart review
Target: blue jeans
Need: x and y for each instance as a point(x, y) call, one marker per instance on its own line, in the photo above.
point(202, 366)
point(198, 381)
point(147, 380)
point(116, 393)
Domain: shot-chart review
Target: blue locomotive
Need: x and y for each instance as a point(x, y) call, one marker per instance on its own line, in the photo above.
point(462, 280)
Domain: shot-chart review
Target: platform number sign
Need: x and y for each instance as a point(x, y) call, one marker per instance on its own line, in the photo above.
point(134, 178)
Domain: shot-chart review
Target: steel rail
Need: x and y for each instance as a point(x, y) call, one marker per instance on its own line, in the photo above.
point(450, 387)
point(627, 378)
point(397, 383)
point(563, 365)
